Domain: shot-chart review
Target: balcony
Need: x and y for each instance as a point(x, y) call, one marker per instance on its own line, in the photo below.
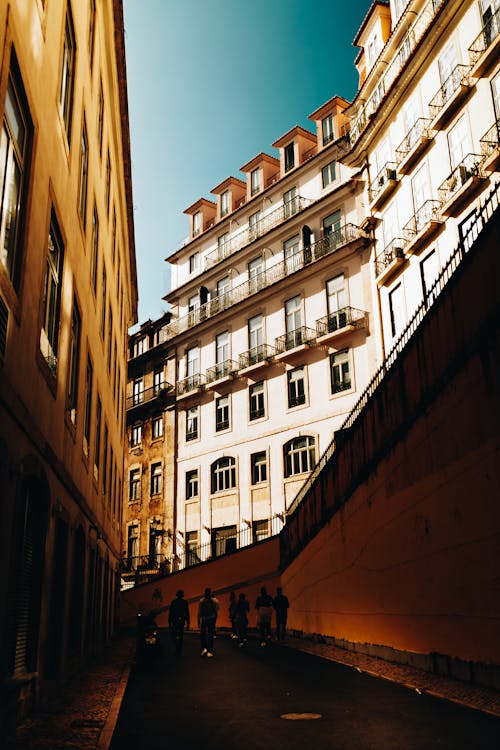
point(339, 323)
point(348, 236)
point(256, 358)
point(389, 260)
point(150, 394)
point(220, 373)
point(383, 185)
point(451, 94)
point(293, 342)
point(490, 148)
point(422, 226)
point(250, 234)
point(484, 50)
point(413, 145)
point(189, 386)
point(399, 59)
point(462, 185)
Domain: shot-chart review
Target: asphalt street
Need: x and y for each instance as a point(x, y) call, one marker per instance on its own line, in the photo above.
point(238, 700)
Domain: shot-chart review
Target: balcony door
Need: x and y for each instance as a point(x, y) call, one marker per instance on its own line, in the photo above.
point(336, 301)
point(291, 250)
point(255, 337)
point(293, 321)
point(459, 142)
point(256, 274)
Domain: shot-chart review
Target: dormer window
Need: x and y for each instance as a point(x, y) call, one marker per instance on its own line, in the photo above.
point(327, 129)
point(289, 157)
point(196, 223)
point(255, 181)
point(373, 47)
point(224, 203)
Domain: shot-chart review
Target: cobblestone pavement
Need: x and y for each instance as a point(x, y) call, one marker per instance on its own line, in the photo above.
point(85, 715)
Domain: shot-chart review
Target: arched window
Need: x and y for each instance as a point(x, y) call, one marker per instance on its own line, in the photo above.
point(223, 474)
point(299, 455)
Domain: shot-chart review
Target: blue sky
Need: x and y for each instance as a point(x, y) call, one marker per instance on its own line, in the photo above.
point(212, 83)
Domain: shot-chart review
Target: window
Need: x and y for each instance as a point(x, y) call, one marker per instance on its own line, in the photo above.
point(327, 129)
point(335, 294)
point(339, 371)
point(67, 74)
point(293, 322)
point(192, 423)
point(194, 262)
point(290, 202)
point(256, 274)
point(260, 530)
point(136, 435)
point(258, 463)
point(256, 398)
point(222, 413)
point(390, 224)
point(157, 427)
point(192, 361)
point(89, 374)
point(156, 479)
point(296, 387)
point(15, 144)
point(83, 176)
point(196, 223)
point(191, 484)
point(224, 203)
point(429, 270)
point(73, 363)
point(495, 92)
point(140, 346)
point(100, 117)
point(397, 310)
point(459, 142)
point(447, 63)
point(289, 157)
point(373, 47)
point(291, 253)
point(134, 492)
point(138, 391)
point(299, 455)
point(193, 306)
point(420, 192)
point(223, 245)
point(255, 182)
point(158, 380)
point(223, 286)
point(328, 174)
point(155, 537)
point(255, 338)
point(49, 336)
point(95, 249)
point(223, 474)
point(97, 438)
point(253, 225)
point(332, 224)
point(221, 351)
point(192, 550)
point(411, 113)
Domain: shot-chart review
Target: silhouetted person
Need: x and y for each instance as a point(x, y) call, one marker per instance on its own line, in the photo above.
point(281, 605)
point(178, 617)
point(241, 610)
point(264, 607)
point(208, 609)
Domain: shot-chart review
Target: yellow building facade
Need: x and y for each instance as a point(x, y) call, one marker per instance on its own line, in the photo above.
point(68, 294)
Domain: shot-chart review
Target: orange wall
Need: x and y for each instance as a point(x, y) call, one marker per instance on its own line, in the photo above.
point(243, 571)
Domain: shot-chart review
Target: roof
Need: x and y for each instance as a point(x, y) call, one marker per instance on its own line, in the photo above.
point(335, 100)
point(371, 10)
point(296, 130)
point(225, 184)
point(262, 157)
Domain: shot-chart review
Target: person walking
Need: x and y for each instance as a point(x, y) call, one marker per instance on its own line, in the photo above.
point(241, 610)
point(281, 605)
point(178, 617)
point(232, 608)
point(264, 607)
point(208, 609)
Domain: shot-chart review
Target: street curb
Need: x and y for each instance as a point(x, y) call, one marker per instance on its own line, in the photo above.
point(109, 727)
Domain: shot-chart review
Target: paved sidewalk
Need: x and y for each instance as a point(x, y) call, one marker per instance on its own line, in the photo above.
point(85, 716)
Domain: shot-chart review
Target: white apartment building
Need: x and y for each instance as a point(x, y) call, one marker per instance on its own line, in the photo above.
point(425, 126)
point(273, 328)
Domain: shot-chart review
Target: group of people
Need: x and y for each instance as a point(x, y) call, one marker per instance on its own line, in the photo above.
point(239, 609)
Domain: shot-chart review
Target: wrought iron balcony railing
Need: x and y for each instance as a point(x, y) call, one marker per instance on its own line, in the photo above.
point(469, 167)
point(459, 76)
point(398, 62)
point(428, 211)
point(332, 242)
point(254, 356)
point(420, 130)
point(142, 397)
point(221, 370)
point(488, 34)
point(383, 178)
point(191, 383)
point(335, 321)
point(292, 339)
point(251, 233)
point(490, 141)
point(392, 251)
